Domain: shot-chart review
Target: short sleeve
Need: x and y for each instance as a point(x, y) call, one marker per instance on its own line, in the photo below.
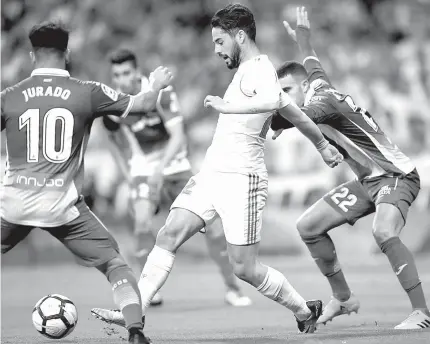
point(262, 83)
point(105, 100)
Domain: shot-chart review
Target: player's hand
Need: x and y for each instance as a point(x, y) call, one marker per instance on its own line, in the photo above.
point(331, 156)
point(160, 78)
point(302, 20)
point(277, 133)
point(215, 102)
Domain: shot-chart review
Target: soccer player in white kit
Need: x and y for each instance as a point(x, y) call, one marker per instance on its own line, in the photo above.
point(233, 183)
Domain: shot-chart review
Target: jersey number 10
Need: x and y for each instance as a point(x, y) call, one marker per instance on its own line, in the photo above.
point(31, 120)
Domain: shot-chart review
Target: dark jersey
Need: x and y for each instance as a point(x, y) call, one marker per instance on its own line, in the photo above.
point(142, 139)
point(48, 119)
point(366, 148)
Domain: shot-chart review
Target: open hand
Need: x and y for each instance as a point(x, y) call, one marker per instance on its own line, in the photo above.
point(302, 20)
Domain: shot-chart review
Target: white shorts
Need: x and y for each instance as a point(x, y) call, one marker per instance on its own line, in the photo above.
point(238, 199)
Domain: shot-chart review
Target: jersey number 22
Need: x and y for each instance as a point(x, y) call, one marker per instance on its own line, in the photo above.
point(31, 120)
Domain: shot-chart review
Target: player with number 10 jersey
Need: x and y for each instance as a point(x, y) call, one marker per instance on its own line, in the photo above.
point(48, 120)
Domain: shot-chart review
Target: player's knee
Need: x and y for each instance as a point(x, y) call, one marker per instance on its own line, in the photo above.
point(244, 269)
point(388, 223)
point(111, 266)
point(308, 226)
point(382, 232)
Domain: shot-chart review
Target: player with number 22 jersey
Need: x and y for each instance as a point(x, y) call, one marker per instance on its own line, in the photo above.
point(387, 182)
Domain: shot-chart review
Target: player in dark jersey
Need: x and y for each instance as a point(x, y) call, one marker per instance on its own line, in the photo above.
point(151, 152)
point(387, 182)
point(48, 118)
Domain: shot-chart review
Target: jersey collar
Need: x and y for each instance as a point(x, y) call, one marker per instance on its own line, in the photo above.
point(50, 71)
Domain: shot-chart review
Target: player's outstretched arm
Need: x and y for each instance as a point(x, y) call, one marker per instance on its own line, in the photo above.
point(302, 36)
point(262, 90)
point(146, 100)
point(250, 107)
point(307, 127)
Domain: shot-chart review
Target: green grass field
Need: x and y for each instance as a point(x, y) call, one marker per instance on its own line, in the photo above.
point(194, 311)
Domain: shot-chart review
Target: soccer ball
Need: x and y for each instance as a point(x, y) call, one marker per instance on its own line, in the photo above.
point(55, 316)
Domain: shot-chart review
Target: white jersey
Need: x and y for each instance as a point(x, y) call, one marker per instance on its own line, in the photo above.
point(238, 143)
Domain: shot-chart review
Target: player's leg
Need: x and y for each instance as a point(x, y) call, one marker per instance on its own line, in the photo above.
point(241, 213)
point(145, 201)
point(215, 240)
point(181, 224)
point(188, 215)
point(393, 199)
point(344, 204)
point(93, 246)
point(217, 247)
point(313, 226)
point(12, 234)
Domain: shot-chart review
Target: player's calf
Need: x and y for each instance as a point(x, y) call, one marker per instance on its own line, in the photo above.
point(313, 226)
point(268, 281)
point(125, 293)
point(386, 227)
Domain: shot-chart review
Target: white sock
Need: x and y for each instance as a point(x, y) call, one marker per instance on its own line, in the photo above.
point(277, 288)
point(154, 274)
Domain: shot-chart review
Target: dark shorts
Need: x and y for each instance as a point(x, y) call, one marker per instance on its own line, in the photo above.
point(358, 198)
point(172, 187)
point(86, 237)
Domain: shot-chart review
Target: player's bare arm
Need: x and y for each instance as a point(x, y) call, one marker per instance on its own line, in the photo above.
point(146, 100)
point(252, 107)
point(307, 127)
point(302, 36)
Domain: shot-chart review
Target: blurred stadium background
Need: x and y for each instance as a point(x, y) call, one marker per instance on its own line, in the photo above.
point(376, 50)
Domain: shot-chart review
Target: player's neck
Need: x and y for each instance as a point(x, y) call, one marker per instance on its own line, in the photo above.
point(52, 63)
point(249, 53)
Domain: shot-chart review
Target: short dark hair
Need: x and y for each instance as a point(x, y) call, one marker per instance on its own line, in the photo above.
point(235, 17)
point(123, 55)
point(49, 35)
point(292, 68)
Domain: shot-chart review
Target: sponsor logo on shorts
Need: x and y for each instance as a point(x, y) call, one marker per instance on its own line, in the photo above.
point(385, 190)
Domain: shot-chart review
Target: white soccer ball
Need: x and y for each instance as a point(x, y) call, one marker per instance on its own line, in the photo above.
point(55, 316)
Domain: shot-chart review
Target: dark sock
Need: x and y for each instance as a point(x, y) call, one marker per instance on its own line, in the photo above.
point(323, 251)
point(126, 296)
point(404, 267)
